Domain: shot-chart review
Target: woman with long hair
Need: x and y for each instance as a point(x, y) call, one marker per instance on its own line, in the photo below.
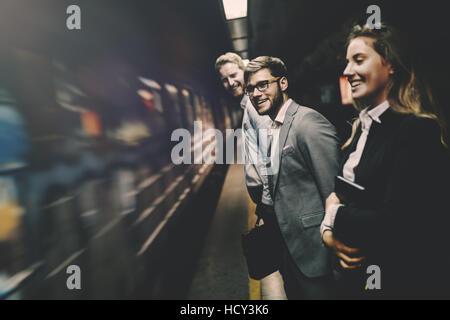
point(398, 158)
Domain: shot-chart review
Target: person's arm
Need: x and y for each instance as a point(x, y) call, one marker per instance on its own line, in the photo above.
point(349, 258)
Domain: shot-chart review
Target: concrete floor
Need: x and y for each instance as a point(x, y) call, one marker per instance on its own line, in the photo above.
point(221, 271)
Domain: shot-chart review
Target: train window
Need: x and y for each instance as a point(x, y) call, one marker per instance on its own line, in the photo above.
point(188, 108)
point(151, 97)
point(91, 123)
point(154, 100)
point(14, 138)
point(74, 102)
point(132, 132)
point(10, 211)
point(173, 94)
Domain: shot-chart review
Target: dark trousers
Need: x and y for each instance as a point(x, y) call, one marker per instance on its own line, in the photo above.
point(296, 285)
point(350, 284)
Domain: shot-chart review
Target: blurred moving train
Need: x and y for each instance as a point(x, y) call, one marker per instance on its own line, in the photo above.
point(86, 177)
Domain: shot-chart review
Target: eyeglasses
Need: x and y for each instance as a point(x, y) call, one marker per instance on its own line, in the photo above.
point(261, 86)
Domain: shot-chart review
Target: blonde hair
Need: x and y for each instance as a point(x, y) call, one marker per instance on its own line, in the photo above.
point(229, 57)
point(408, 94)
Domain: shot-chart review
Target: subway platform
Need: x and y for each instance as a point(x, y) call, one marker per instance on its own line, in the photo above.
point(221, 271)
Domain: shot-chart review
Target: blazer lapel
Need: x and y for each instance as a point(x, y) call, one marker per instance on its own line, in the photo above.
point(379, 135)
point(291, 111)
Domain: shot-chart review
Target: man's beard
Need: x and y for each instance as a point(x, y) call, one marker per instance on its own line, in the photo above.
point(236, 91)
point(276, 103)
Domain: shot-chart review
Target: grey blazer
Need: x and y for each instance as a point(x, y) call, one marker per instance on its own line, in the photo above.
point(309, 161)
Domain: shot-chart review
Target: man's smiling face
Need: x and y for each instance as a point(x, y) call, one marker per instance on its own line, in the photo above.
point(270, 99)
point(232, 78)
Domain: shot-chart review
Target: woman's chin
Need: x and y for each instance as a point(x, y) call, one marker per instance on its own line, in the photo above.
point(358, 95)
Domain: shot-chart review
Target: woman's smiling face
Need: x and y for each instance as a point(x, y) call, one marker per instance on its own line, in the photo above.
point(367, 72)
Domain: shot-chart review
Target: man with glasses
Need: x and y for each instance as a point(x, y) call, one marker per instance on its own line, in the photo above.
point(302, 161)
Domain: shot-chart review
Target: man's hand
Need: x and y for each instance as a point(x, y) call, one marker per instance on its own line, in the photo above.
point(349, 258)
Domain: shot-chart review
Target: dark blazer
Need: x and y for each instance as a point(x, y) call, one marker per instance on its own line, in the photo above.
point(401, 226)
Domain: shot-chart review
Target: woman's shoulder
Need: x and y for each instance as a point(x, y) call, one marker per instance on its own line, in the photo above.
point(415, 122)
point(415, 127)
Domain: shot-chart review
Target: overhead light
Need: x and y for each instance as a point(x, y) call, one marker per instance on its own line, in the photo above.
point(235, 9)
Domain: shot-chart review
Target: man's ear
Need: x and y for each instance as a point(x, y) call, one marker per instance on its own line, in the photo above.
point(284, 84)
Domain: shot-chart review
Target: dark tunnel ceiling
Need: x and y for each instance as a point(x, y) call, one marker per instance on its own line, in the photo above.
point(176, 35)
point(187, 36)
point(293, 29)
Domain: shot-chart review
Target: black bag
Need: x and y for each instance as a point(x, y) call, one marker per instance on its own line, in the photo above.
point(262, 251)
point(349, 191)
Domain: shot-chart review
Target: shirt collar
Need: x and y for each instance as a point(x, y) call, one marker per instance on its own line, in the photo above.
point(282, 113)
point(376, 112)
